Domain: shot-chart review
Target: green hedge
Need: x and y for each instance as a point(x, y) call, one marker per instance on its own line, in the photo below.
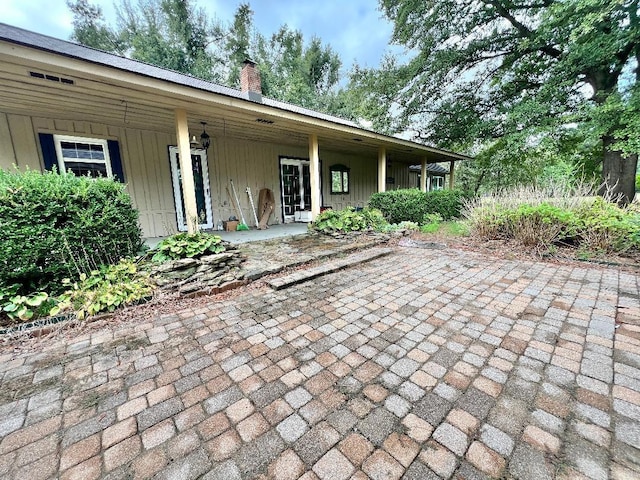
point(412, 204)
point(58, 226)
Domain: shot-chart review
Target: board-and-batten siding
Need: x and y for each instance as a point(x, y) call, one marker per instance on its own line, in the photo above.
point(248, 164)
point(363, 176)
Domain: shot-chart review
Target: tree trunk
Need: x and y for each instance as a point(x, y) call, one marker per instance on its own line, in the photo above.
point(618, 173)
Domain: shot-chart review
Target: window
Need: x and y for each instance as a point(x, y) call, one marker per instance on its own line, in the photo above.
point(339, 179)
point(83, 156)
point(437, 183)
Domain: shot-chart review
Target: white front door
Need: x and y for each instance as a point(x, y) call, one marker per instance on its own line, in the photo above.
point(201, 184)
point(295, 189)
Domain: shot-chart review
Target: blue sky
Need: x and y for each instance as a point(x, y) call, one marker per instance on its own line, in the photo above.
point(354, 28)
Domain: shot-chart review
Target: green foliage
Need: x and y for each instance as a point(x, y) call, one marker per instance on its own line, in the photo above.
point(56, 226)
point(104, 290)
point(638, 183)
point(412, 204)
point(177, 35)
point(605, 227)
point(22, 307)
point(539, 225)
point(349, 220)
point(498, 78)
point(187, 245)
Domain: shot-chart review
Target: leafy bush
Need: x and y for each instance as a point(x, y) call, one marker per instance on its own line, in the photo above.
point(104, 290)
point(540, 225)
point(412, 204)
point(349, 220)
point(22, 307)
point(187, 245)
point(57, 226)
point(605, 227)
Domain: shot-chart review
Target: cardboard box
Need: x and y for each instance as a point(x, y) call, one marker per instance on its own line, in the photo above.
point(230, 226)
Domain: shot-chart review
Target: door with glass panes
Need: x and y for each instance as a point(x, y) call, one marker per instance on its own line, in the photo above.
point(296, 190)
point(201, 185)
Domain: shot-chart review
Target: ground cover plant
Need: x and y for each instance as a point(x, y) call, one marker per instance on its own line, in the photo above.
point(349, 220)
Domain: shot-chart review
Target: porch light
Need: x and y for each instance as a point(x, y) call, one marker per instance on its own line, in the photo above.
point(205, 140)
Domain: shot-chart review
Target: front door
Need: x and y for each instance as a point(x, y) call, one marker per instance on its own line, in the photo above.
point(296, 190)
point(201, 184)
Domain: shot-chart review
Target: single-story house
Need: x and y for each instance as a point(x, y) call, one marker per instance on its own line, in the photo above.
point(178, 141)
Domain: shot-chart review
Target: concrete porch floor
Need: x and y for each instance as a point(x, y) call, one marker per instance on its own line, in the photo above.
point(251, 235)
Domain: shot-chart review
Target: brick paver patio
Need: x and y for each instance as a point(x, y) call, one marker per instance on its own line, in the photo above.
point(421, 365)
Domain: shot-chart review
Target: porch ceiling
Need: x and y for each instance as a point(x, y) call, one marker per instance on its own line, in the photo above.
point(100, 94)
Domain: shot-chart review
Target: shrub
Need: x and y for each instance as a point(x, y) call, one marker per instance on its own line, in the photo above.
point(605, 227)
point(412, 204)
point(58, 225)
point(349, 220)
point(104, 290)
point(541, 218)
point(540, 225)
point(187, 245)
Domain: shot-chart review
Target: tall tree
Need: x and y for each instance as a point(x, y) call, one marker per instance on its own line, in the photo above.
point(89, 27)
point(172, 34)
point(505, 73)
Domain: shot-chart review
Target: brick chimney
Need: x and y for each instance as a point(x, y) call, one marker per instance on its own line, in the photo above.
point(250, 81)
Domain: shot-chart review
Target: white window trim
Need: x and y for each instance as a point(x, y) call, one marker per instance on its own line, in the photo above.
point(58, 139)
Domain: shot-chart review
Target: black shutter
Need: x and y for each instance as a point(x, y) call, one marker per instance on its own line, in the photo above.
point(116, 160)
point(48, 148)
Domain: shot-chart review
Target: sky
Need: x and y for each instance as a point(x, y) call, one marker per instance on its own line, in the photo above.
point(356, 29)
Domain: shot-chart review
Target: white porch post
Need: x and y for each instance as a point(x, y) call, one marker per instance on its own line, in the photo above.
point(314, 171)
point(423, 175)
point(382, 169)
point(451, 174)
point(186, 169)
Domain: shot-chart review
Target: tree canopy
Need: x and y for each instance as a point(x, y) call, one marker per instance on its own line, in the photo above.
point(174, 34)
point(499, 77)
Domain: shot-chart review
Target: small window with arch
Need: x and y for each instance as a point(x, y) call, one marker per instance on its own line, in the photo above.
point(339, 179)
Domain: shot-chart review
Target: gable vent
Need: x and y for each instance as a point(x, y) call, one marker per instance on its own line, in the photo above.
point(52, 78)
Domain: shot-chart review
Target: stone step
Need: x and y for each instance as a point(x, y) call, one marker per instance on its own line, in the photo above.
point(331, 266)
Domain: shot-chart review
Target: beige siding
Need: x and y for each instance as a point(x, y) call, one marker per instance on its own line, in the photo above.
point(22, 149)
point(362, 178)
point(7, 155)
point(248, 164)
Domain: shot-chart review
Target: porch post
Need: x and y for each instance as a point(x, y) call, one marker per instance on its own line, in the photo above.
point(451, 174)
point(186, 169)
point(314, 171)
point(423, 175)
point(382, 169)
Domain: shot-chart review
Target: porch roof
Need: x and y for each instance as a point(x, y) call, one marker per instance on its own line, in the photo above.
point(100, 86)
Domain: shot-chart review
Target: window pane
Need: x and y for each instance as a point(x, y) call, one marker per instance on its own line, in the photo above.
point(69, 150)
point(83, 169)
point(345, 182)
point(96, 152)
point(336, 182)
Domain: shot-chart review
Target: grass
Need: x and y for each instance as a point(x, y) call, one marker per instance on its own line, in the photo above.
point(454, 228)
